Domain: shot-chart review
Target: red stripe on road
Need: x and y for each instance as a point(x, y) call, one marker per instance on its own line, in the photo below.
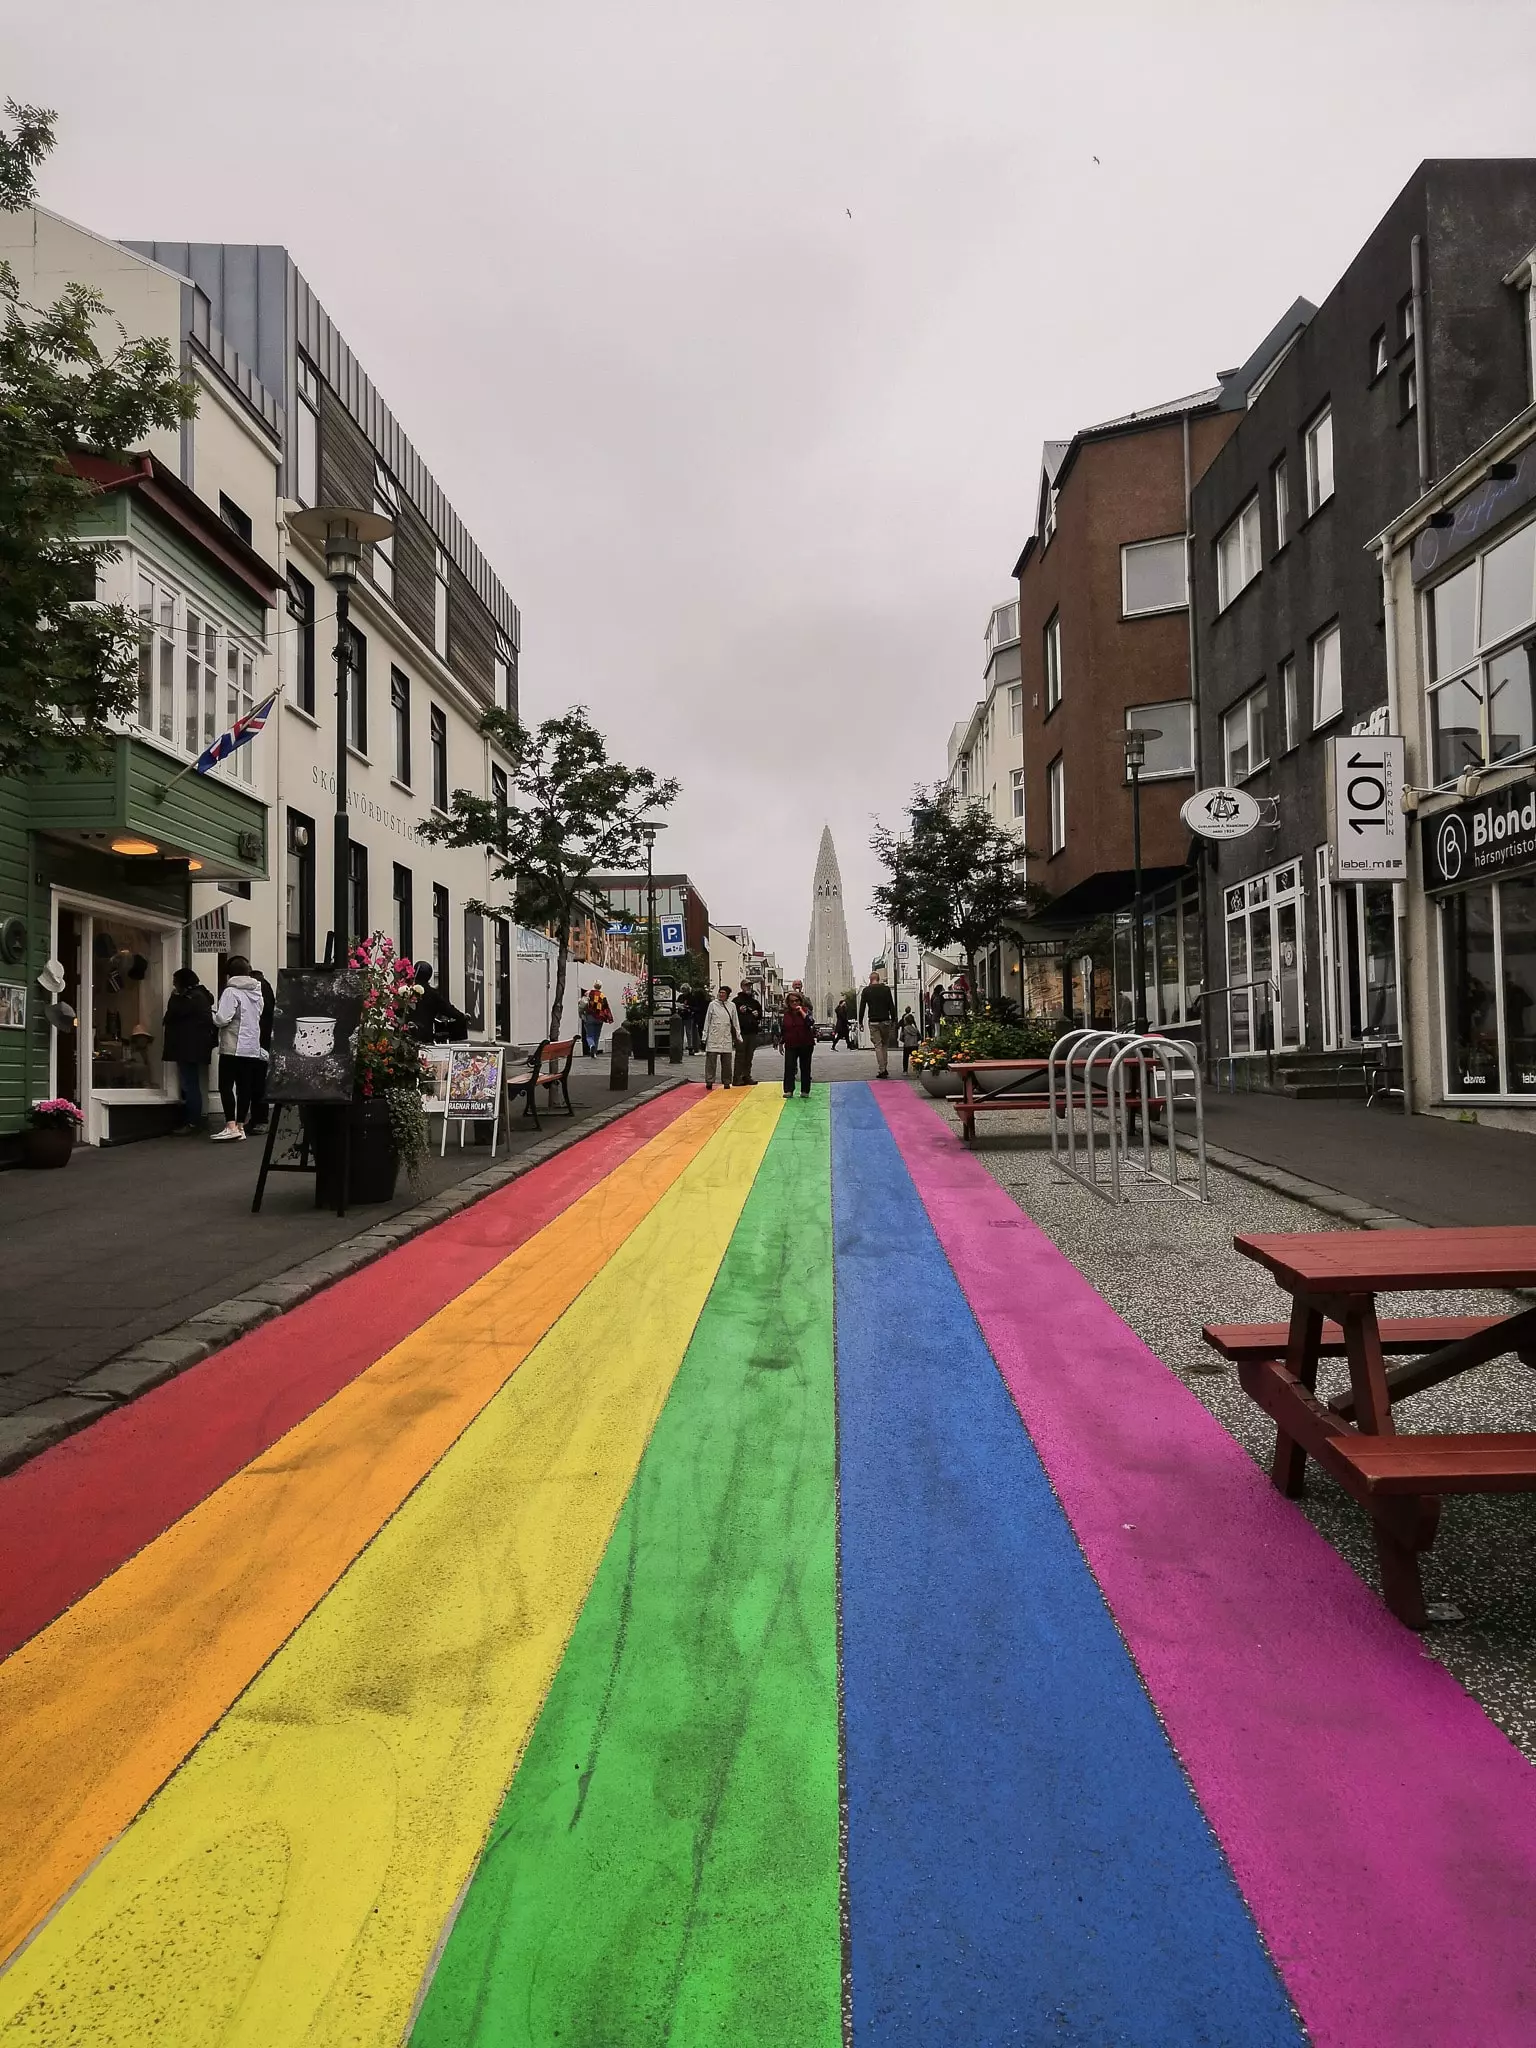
point(78, 1511)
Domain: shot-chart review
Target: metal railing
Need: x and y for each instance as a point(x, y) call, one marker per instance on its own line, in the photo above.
point(1258, 1029)
point(1099, 1084)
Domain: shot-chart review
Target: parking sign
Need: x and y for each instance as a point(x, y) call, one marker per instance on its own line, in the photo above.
point(672, 947)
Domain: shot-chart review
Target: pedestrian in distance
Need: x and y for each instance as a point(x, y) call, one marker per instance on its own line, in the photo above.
point(910, 1033)
point(595, 1013)
point(258, 1116)
point(799, 1032)
point(698, 1010)
point(238, 1016)
point(434, 1020)
point(842, 1019)
point(722, 1035)
point(749, 1015)
point(877, 1003)
point(188, 1037)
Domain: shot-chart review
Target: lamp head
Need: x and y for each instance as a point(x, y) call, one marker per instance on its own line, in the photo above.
point(1136, 737)
point(342, 531)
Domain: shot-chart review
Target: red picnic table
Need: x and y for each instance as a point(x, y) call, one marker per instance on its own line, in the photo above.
point(1333, 1278)
point(1019, 1084)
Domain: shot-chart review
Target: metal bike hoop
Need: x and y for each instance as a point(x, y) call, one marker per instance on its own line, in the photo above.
point(1166, 1079)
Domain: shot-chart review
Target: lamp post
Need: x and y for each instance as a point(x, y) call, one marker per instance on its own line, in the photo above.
point(341, 531)
point(1136, 737)
point(648, 830)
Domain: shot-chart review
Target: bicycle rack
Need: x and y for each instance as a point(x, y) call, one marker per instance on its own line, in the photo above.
point(1166, 1075)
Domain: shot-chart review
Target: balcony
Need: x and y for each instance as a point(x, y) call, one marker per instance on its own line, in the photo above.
point(132, 797)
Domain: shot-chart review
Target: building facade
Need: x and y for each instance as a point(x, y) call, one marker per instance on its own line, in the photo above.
point(986, 764)
point(1417, 356)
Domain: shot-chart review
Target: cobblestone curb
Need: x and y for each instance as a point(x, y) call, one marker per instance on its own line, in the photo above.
point(1364, 1215)
point(156, 1359)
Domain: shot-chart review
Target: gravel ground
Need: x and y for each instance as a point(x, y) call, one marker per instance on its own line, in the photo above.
point(1168, 1266)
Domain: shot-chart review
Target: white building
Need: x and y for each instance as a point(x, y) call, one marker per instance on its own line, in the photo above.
point(986, 763)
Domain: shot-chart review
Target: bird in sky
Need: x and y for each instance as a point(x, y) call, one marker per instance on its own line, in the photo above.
point(849, 210)
point(1097, 161)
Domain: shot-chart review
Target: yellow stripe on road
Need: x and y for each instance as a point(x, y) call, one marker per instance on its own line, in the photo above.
point(290, 1883)
point(98, 1709)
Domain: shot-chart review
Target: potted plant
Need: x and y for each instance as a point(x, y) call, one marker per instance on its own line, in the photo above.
point(49, 1136)
point(384, 1127)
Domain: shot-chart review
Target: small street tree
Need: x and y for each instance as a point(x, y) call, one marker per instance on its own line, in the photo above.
point(67, 667)
point(571, 813)
point(952, 875)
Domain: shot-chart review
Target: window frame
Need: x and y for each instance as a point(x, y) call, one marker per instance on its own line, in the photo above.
point(1136, 547)
point(1317, 498)
point(442, 936)
point(1051, 638)
point(1320, 638)
point(405, 911)
point(1290, 704)
point(1164, 709)
point(1016, 791)
point(437, 753)
point(1245, 524)
point(1474, 672)
point(1056, 804)
point(357, 691)
point(1280, 498)
point(400, 723)
point(299, 604)
point(1015, 710)
point(357, 890)
point(440, 602)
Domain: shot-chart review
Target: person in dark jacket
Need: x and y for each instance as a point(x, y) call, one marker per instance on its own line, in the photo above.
point(749, 1012)
point(842, 1019)
point(189, 1036)
point(434, 1020)
point(877, 1003)
point(799, 1043)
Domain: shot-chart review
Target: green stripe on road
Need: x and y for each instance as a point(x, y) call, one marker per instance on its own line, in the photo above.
point(665, 1865)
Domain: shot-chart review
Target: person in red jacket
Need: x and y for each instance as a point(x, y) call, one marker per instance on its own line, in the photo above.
point(799, 1043)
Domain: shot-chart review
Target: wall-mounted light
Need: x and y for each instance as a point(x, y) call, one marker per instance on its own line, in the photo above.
point(141, 848)
point(194, 867)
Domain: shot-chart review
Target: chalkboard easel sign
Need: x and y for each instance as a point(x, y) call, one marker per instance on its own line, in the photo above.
point(315, 1022)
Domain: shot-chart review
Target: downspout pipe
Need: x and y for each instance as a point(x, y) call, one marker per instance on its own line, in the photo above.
point(1420, 361)
point(1395, 725)
point(1201, 865)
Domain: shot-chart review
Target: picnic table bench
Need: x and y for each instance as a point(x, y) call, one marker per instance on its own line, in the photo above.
point(1333, 1278)
point(1017, 1084)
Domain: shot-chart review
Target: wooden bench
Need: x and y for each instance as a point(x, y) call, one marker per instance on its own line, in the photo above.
point(545, 1070)
point(1245, 1342)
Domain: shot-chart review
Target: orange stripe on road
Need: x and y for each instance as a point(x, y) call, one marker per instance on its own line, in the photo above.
point(101, 1707)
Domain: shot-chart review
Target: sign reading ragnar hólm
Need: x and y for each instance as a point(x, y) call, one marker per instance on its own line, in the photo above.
point(1365, 809)
point(1479, 841)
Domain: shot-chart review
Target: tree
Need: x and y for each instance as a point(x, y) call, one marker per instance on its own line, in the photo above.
point(571, 813)
point(953, 874)
point(67, 667)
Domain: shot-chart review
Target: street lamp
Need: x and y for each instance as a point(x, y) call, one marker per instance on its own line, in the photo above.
point(341, 532)
point(1136, 737)
point(648, 830)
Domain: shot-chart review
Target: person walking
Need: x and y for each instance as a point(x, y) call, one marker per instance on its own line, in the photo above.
point(434, 1020)
point(910, 1034)
point(595, 1013)
point(722, 1035)
point(842, 1020)
point(749, 1015)
point(877, 1003)
point(698, 1010)
point(238, 1016)
point(257, 1121)
point(799, 1033)
point(188, 1037)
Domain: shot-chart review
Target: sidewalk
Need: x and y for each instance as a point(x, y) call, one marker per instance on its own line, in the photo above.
point(128, 1242)
point(1419, 1167)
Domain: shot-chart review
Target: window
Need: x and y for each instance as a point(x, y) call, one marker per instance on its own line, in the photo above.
point(299, 893)
point(1154, 577)
point(386, 502)
point(1173, 751)
point(1049, 529)
point(499, 800)
point(1327, 677)
point(1016, 709)
point(301, 640)
point(506, 675)
point(1405, 318)
point(1056, 790)
point(1266, 999)
point(157, 658)
point(1407, 392)
point(1290, 707)
point(1053, 662)
point(357, 691)
point(202, 694)
point(400, 712)
point(1237, 555)
point(1282, 481)
point(440, 605)
point(305, 482)
point(440, 914)
point(1482, 658)
point(1320, 461)
point(238, 521)
point(1245, 734)
point(405, 935)
point(239, 701)
point(1378, 352)
point(501, 940)
point(439, 745)
point(357, 890)
point(1016, 779)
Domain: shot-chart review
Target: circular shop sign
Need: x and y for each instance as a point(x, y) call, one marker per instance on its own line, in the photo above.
point(1220, 813)
point(1451, 847)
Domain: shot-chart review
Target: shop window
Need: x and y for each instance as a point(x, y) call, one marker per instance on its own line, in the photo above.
point(1471, 994)
point(1517, 937)
point(1265, 998)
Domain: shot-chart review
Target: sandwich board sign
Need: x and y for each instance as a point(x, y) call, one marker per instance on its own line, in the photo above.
point(1365, 809)
point(672, 947)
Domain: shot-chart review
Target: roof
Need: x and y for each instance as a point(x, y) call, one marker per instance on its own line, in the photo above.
point(1171, 408)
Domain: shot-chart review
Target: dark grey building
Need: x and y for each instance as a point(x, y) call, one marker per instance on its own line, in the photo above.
point(1417, 355)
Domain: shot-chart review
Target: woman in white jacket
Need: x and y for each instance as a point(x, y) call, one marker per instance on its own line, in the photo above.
point(722, 1035)
point(241, 1056)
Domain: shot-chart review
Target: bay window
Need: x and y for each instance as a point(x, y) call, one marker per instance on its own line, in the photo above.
point(1481, 635)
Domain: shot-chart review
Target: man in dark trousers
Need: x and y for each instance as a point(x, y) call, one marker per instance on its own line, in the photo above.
point(799, 1043)
point(877, 1003)
point(434, 1020)
point(749, 1012)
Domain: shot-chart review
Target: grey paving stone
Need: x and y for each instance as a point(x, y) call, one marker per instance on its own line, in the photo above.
point(23, 1435)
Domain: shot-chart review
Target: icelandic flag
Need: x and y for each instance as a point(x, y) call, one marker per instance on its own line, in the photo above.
point(240, 734)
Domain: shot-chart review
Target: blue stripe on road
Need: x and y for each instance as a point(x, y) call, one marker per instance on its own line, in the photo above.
point(1026, 1862)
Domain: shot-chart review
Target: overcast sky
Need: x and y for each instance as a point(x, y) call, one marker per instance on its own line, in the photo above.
point(756, 470)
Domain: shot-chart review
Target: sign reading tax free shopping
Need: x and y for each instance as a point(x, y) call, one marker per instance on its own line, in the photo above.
point(1479, 841)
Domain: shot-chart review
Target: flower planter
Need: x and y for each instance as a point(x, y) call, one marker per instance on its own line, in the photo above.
point(46, 1145)
point(375, 1160)
point(942, 1082)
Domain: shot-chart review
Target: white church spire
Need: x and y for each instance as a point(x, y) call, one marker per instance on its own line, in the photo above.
point(828, 963)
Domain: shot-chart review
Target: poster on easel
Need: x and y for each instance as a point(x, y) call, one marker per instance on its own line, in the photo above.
point(472, 1092)
point(434, 1084)
point(315, 1022)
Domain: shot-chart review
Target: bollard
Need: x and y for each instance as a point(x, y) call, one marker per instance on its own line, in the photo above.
point(675, 1038)
point(618, 1058)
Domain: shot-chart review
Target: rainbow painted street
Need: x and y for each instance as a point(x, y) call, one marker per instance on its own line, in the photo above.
point(739, 1584)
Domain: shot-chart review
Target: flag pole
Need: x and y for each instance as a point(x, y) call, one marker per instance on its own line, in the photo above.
point(191, 768)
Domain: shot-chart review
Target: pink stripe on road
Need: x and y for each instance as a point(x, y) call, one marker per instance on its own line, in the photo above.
point(1380, 1827)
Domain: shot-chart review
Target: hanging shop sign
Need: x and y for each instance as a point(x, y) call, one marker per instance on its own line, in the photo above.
point(1220, 813)
point(1492, 835)
point(210, 932)
point(1366, 826)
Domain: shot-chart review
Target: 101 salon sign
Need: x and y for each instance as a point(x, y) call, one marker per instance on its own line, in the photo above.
point(1478, 841)
point(1365, 809)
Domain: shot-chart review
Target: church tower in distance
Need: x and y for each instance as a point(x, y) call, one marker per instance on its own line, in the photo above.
point(828, 964)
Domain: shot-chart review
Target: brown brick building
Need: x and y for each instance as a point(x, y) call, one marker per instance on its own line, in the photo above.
point(1105, 645)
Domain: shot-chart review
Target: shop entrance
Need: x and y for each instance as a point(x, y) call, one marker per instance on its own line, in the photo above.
point(118, 962)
